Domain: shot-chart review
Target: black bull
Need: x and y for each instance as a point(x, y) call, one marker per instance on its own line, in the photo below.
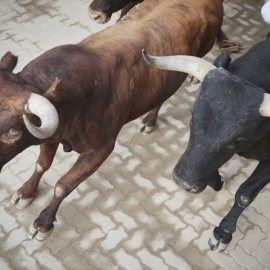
point(229, 117)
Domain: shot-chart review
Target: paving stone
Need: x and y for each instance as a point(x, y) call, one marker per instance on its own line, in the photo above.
point(130, 214)
point(152, 261)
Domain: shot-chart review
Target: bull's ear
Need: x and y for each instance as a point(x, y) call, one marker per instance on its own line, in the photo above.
point(55, 91)
point(265, 106)
point(223, 60)
point(55, 88)
point(8, 61)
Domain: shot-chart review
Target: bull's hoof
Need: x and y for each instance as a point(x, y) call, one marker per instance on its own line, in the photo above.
point(37, 235)
point(193, 79)
point(224, 183)
point(219, 241)
point(144, 129)
point(216, 245)
point(20, 203)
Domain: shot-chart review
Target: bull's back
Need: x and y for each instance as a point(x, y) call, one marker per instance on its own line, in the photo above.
point(176, 26)
point(258, 56)
point(162, 27)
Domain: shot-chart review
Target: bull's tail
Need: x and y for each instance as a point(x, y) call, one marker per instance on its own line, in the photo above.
point(225, 43)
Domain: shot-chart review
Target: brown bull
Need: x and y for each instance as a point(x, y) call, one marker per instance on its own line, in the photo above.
point(83, 94)
point(101, 10)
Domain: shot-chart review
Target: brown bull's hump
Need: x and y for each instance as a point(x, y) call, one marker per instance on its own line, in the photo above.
point(175, 27)
point(179, 17)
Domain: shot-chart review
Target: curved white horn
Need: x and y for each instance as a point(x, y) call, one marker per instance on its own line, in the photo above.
point(192, 65)
point(265, 106)
point(47, 113)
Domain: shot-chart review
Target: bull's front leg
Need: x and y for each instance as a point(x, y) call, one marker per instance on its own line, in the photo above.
point(243, 198)
point(27, 192)
point(86, 164)
point(149, 122)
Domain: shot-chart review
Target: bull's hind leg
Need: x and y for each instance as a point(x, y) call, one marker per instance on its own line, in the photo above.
point(27, 192)
point(149, 122)
point(86, 165)
point(243, 197)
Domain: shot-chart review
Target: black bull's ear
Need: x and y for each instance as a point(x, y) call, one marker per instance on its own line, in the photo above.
point(223, 60)
point(8, 61)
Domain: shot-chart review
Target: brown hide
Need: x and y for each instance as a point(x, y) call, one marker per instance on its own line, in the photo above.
point(101, 10)
point(125, 87)
point(106, 83)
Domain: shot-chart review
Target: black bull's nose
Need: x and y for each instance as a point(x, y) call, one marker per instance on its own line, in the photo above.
point(186, 185)
point(216, 183)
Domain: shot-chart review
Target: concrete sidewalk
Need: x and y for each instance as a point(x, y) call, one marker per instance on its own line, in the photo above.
point(130, 214)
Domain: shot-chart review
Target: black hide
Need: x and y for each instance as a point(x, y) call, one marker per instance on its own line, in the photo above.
point(226, 121)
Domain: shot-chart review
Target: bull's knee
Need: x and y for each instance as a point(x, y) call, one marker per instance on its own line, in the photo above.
point(243, 200)
point(59, 191)
point(39, 168)
point(42, 167)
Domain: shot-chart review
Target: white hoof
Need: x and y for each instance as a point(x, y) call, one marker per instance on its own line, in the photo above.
point(145, 129)
point(224, 181)
point(23, 203)
point(16, 199)
point(216, 245)
point(37, 235)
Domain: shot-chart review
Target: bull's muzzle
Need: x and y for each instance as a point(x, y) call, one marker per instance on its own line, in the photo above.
point(98, 16)
point(195, 189)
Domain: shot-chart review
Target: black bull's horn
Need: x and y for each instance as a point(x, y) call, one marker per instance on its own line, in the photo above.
point(265, 106)
point(192, 65)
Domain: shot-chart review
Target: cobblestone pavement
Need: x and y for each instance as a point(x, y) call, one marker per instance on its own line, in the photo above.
point(130, 214)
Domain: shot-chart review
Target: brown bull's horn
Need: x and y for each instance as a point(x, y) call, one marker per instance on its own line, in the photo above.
point(47, 113)
point(192, 65)
point(265, 106)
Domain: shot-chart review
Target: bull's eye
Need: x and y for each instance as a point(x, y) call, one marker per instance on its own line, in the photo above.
point(13, 132)
point(11, 136)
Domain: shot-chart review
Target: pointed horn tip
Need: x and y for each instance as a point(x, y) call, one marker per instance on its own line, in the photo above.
point(145, 55)
point(24, 117)
point(265, 112)
point(26, 120)
point(261, 111)
point(148, 59)
point(264, 109)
